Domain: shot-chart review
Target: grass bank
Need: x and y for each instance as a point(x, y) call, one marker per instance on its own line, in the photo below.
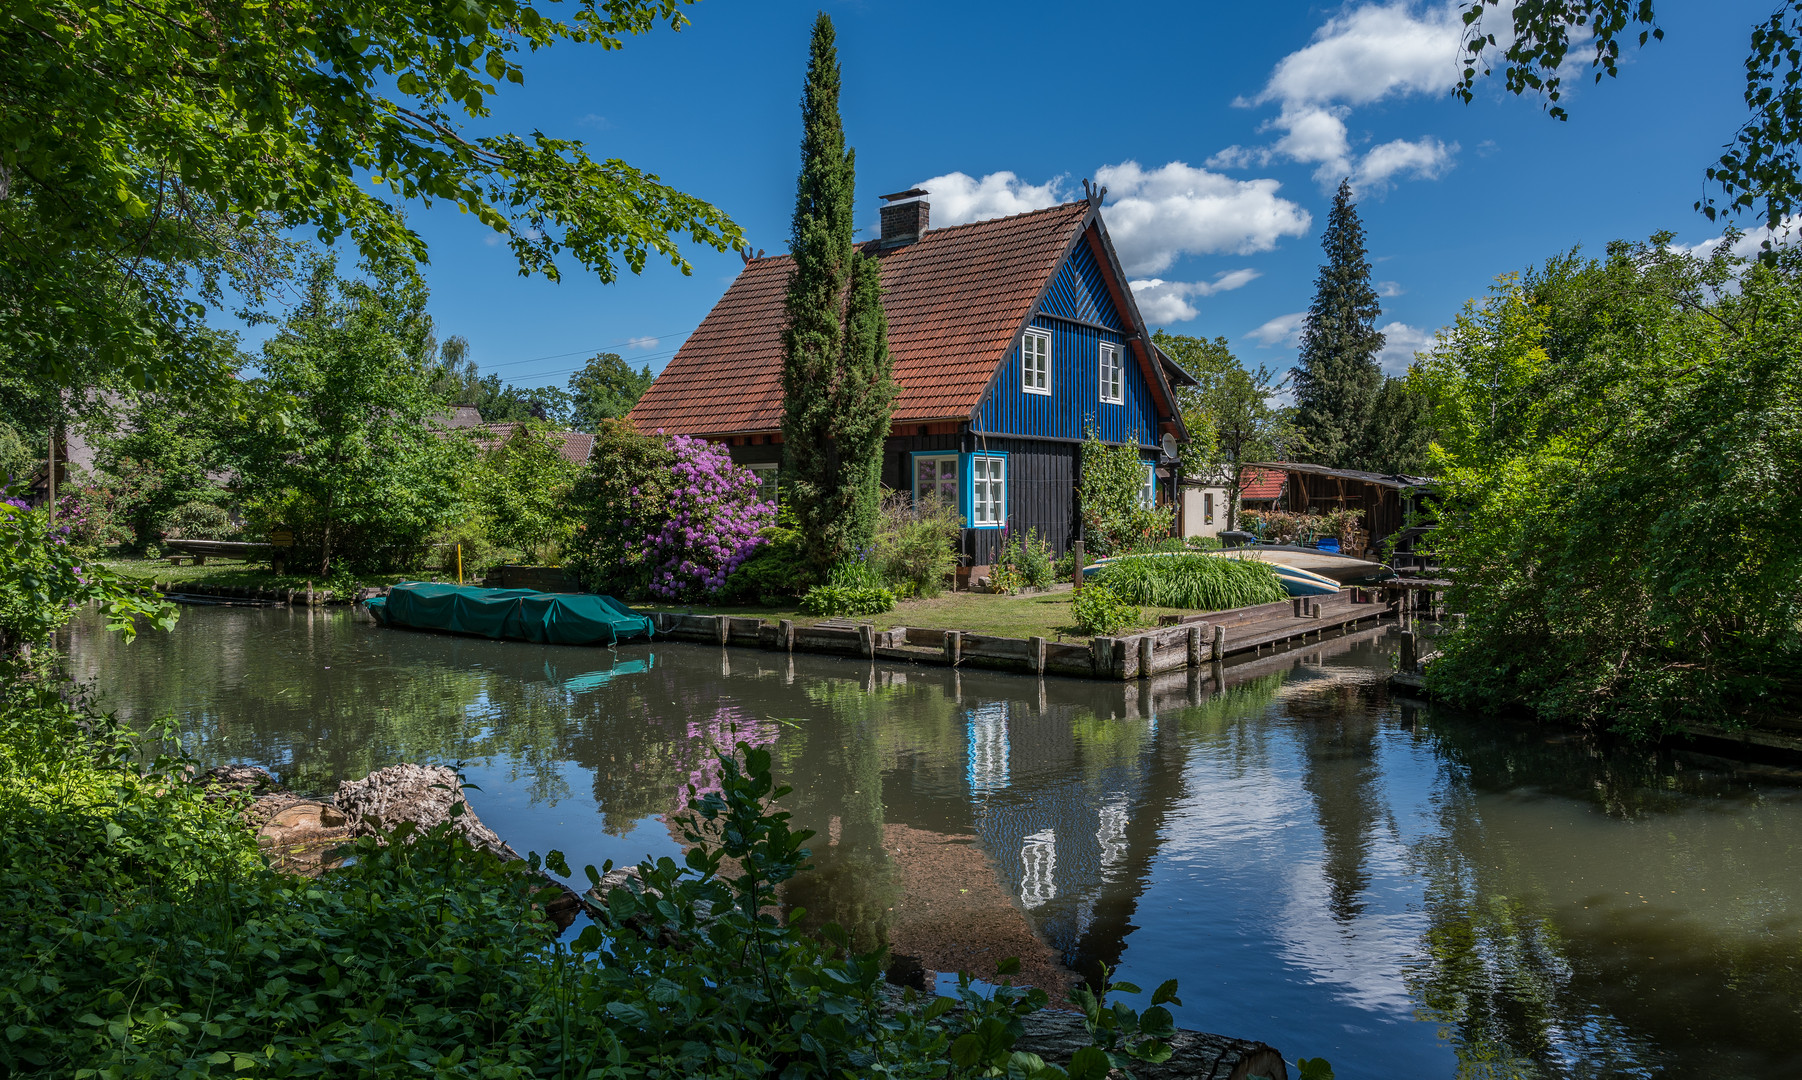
point(1044, 614)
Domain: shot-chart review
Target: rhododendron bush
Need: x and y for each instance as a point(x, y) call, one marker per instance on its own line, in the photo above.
point(665, 517)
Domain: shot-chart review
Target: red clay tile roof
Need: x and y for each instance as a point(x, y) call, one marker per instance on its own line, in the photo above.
point(954, 301)
point(1260, 483)
point(575, 446)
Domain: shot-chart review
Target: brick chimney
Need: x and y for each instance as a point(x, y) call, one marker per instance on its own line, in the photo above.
point(905, 217)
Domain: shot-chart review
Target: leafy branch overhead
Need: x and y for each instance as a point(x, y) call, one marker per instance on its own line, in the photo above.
point(1758, 170)
point(153, 153)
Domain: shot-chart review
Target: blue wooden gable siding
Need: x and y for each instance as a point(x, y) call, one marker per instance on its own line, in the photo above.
point(1074, 404)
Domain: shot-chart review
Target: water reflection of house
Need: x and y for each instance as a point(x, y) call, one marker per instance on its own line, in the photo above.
point(1053, 819)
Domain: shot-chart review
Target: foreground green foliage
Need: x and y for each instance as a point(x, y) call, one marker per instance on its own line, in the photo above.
point(1620, 461)
point(847, 600)
point(156, 151)
point(1194, 582)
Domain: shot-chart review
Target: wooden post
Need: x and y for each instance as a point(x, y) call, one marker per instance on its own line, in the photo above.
point(1101, 656)
point(1219, 642)
point(459, 564)
point(954, 647)
point(866, 640)
point(1076, 579)
point(1037, 647)
point(785, 635)
point(309, 594)
point(724, 625)
point(1194, 645)
point(1410, 658)
point(1147, 645)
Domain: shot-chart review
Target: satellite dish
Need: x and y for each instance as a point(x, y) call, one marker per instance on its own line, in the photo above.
point(1169, 447)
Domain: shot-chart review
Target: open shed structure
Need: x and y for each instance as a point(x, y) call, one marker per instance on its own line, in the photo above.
point(1389, 500)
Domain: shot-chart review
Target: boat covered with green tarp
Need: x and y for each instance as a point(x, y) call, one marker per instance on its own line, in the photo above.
point(510, 614)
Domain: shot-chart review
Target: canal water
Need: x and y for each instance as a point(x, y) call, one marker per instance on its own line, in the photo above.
point(1324, 867)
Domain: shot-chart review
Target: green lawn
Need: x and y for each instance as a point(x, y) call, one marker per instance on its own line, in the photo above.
point(1035, 614)
point(1032, 615)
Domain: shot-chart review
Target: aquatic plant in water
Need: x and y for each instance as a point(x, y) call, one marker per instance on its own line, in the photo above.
point(1197, 582)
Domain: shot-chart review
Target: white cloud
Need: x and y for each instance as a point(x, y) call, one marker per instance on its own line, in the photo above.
point(1749, 243)
point(1162, 302)
point(1370, 53)
point(1400, 343)
point(1389, 288)
point(1357, 58)
point(958, 197)
point(1178, 209)
point(1153, 216)
point(1423, 159)
point(1282, 330)
point(645, 344)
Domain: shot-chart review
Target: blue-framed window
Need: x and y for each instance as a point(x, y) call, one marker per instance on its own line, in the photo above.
point(975, 483)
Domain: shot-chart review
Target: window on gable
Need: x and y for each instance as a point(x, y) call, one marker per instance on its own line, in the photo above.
point(988, 491)
point(1113, 375)
point(936, 476)
point(1035, 362)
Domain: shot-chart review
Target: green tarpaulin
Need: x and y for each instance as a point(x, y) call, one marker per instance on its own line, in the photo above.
point(510, 614)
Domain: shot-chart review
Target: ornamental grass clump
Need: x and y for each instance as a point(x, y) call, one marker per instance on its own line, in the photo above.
point(1197, 582)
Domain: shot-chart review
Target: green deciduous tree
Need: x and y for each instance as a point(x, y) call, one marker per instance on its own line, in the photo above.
point(605, 389)
point(166, 455)
point(346, 454)
point(1337, 377)
point(1619, 454)
point(524, 489)
point(153, 153)
point(1759, 170)
point(837, 376)
point(1232, 416)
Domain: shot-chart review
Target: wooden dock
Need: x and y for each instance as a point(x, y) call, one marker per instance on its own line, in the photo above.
point(1182, 644)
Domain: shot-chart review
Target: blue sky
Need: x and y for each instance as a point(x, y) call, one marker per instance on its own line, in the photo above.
point(1219, 128)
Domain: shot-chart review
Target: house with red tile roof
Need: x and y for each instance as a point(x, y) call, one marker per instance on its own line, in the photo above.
point(1011, 338)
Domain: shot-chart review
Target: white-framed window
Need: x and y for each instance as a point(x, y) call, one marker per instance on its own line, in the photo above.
point(936, 475)
point(1113, 375)
point(988, 491)
point(1148, 491)
point(1035, 362)
point(766, 481)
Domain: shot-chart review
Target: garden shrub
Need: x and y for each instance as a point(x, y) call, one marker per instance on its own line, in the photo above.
point(665, 517)
point(916, 542)
point(1113, 517)
point(847, 600)
point(196, 521)
point(524, 487)
point(1198, 582)
point(1099, 610)
point(775, 571)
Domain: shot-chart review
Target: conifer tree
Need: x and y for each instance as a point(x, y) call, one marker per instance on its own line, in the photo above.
point(837, 384)
point(1338, 379)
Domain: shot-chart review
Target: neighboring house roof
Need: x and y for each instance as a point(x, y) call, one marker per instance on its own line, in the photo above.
point(1255, 483)
point(1173, 371)
point(575, 446)
point(955, 300)
point(459, 417)
point(1390, 480)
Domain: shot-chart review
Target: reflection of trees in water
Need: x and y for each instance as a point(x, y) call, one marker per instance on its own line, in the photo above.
point(1495, 972)
point(1339, 741)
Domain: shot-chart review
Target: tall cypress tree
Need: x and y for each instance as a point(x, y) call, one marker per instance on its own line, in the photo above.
point(837, 384)
point(1337, 379)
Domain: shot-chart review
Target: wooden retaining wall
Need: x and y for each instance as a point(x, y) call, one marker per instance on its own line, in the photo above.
point(1192, 642)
